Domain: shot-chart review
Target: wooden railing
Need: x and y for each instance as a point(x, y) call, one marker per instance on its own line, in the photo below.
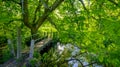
point(39, 45)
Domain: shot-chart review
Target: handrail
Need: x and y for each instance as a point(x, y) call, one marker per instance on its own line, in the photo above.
point(34, 35)
point(13, 40)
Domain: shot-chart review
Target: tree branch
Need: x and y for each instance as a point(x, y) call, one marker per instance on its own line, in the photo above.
point(81, 62)
point(37, 9)
point(51, 21)
point(76, 60)
point(112, 1)
point(26, 14)
point(83, 4)
point(56, 4)
point(44, 4)
point(41, 20)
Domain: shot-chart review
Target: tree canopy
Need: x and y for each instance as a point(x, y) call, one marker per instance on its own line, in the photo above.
point(92, 25)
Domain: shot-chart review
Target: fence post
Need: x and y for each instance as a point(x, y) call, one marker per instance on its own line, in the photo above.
point(18, 42)
point(11, 47)
point(31, 49)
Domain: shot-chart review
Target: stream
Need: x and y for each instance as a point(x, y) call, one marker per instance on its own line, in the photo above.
point(74, 51)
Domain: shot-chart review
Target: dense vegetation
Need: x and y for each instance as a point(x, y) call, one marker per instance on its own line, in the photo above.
point(92, 25)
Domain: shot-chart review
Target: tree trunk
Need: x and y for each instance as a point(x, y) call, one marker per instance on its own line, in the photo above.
point(34, 33)
point(18, 42)
point(33, 37)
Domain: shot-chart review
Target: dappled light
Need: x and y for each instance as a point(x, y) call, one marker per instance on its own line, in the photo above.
point(59, 33)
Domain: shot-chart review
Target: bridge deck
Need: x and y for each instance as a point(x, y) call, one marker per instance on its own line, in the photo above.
point(38, 46)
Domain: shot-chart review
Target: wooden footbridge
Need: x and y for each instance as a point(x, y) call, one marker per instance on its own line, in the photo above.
point(40, 47)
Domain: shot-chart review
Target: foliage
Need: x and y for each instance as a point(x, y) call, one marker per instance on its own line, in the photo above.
point(54, 59)
point(92, 25)
point(94, 30)
point(6, 54)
